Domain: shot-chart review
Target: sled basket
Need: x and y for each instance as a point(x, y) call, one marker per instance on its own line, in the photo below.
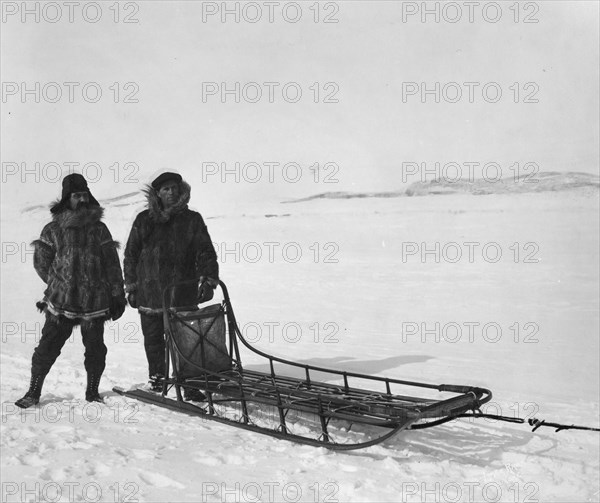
point(198, 339)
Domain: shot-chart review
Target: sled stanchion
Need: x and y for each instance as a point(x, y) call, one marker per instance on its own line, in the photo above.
point(324, 431)
point(167, 359)
point(346, 387)
point(282, 424)
point(307, 373)
point(209, 397)
point(211, 405)
point(245, 415)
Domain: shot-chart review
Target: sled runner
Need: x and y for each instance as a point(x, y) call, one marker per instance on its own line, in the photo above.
point(289, 400)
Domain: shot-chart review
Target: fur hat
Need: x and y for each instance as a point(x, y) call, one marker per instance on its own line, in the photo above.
point(165, 177)
point(70, 184)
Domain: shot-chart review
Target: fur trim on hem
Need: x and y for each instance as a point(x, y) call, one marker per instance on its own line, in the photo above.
point(76, 322)
point(76, 318)
point(149, 311)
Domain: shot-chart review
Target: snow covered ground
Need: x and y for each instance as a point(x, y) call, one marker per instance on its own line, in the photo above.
point(499, 291)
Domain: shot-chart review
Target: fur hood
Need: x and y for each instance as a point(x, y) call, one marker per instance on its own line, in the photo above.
point(67, 218)
point(156, 211)
point(61, 205)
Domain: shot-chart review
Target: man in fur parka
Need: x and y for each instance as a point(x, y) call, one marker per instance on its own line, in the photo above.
point(168, 243)
point(77, 258)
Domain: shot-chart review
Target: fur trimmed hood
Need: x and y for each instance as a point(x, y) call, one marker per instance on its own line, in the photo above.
point(78, 218)
point(61, 205)
point(156, 211)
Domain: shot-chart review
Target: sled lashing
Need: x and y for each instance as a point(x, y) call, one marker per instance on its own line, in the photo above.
point(290, 400)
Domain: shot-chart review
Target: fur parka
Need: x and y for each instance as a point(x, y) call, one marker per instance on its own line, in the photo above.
point(165, 247)
point(77, 258)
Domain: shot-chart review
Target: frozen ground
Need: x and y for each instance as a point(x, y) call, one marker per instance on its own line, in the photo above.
point(381, 307)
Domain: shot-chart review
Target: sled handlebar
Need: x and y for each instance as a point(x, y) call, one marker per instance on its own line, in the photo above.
point(480, 395)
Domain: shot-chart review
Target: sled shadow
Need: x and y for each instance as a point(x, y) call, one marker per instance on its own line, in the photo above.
point(473, 444)
point(342, 363)
point(465, 441)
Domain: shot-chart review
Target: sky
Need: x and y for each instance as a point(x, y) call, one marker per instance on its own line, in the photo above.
point(360, 115)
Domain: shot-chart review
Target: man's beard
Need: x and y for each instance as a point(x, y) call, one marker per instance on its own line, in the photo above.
point(82, 206)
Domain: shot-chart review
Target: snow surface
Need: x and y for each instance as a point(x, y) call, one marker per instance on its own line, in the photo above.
point(372, 295)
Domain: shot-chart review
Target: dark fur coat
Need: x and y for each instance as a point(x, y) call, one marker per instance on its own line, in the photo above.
point(77, 258)
point(166, 247)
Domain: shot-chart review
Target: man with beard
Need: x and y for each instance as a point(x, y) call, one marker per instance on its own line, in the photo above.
point(77, 259)
point(168, 243)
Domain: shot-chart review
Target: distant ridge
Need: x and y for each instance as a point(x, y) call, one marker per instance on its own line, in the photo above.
point(120, 198)
point(347, 195)
point(550, 181)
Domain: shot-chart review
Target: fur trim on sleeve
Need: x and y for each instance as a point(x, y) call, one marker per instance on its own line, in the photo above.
point(41, 242)
point(113, 243)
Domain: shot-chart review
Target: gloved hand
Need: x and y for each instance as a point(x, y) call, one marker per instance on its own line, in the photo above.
point(205, 292)
point(132, 299)
point(117, 306)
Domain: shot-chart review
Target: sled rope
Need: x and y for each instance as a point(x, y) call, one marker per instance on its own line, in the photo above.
point(534, 422)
